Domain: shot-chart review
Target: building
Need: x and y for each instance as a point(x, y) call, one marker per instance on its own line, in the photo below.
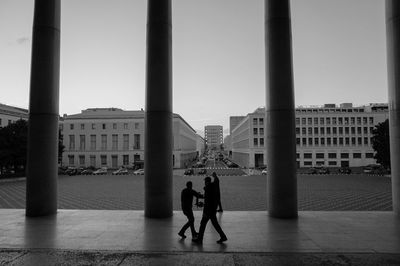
point(112, 137)
point(329, 135)
point(10, 114)
point(213, 136)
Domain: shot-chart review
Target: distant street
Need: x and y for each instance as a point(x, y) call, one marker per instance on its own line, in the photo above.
point(239, 193)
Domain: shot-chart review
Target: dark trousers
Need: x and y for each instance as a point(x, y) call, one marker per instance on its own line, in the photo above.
point(190, 223)
point(213, 218)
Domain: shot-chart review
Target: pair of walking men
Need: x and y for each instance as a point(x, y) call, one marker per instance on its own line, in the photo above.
point(212, 200)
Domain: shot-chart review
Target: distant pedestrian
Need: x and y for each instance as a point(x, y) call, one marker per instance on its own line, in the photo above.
point(218, 192)
point(210, 211)
point(187, 202)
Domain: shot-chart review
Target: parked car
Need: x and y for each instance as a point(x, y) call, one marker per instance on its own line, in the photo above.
point(189, 171)
point(101, 171)
point(317, 170)
point(87, 171)
point(264, 171)
point(139, 172)
point(120, 171)
point(375, 169)
point(344, 170)
point(312, 171)
point(202, 171)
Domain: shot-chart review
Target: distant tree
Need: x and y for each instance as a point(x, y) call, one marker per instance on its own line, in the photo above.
point(61, 147)
point(13, 145)
point(380, 143)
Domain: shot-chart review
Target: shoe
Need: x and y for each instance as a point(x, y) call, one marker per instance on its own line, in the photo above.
point(197, 240)
point(182, 235)
point(223, 239)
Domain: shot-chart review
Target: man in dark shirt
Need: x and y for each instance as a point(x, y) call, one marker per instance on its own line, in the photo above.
point(217, 190)
point(210, 210)
point(187, 202)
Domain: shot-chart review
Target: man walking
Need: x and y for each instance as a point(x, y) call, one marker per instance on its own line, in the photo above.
point(210, 211)
point(187, 202)
point(217, 191)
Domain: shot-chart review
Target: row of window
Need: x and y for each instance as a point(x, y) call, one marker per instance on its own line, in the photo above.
point(103, 160)
point(332, 110)
point(258, 131)
point(258, 121)
point(334, 130)
point(258, 142)
point(334, 155)
point(104, 142)
point(334, 141)
point(101, 126)
point(335, 120)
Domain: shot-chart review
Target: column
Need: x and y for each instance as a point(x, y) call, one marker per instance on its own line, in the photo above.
point(42, 174)
point(158, 122)
point(280, 112)
point(393, 62)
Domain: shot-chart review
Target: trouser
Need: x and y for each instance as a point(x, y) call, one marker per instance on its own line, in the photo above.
point(213, 218)
point(190, 223)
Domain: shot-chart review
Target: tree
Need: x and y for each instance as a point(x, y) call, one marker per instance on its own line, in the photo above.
point(381, 144)
point(61, 147)
point(13, 145)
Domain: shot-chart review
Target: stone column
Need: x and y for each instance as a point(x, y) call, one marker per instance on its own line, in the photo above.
point(280, 113)
point(42, 174)
point(158, 124)
point(393, 62)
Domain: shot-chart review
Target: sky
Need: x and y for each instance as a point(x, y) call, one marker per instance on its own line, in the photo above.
point(339, 55)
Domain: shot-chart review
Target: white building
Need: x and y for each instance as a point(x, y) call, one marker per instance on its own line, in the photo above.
point(329, 135)
point(113, 137)
point(10, 114)
point(213, 136)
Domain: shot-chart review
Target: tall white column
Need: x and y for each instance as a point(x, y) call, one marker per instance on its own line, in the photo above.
point(280, 112)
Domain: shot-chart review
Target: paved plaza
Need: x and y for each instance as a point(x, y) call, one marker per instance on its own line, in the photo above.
point(239, 193)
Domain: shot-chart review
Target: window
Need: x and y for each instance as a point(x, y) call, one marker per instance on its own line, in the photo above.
point(359, 141)
point(115, 142)
point(334, 141)
point(125, 159)
point(297, 141)
point(93, 160)
point(332, 155)
point(309, 120)
point(104, 126)
point(353, 130)
point(353, 141)
point(255, 121)
point(93, 126)
point(346, 130)
point(316, 141)
point(328, 120)
point(340, 131)
point(261, 130)
point(82, 142)
point(255, 142)
point(344, 155)
point(136, 141)
point(346, 120)
point(332, 163)
point(319, 155)
point(334, 130)
point(262, 142)
point(340, 141)
point(255, 131)
point(352, 120)
point(328, 130)
point(316, 120)
point(371, 130)
point(340, 120)
point(365, 130)
point(125, 125)
point(365, 120)
point(357, 155)
point(322, 121)
point(316, 130)
point(347, 141)
point(304, 141)
point(303, 130)
point(82, 159)
point(136, 125)
point(359, 130)
point(82, 126)
point(93, 142)
point(333, 120)
point(103, 160)
point(358, 120)
point(369, 155)
point(71, 160)
point(322, 141)
point(307, 155)
point(371, 120)
point(297, 155)
point(297, 121)
point(307, 163)
point(322, 131)
point(365, 141)
point(303, 121)
point(72, 142)
point(328, 141)
point(310, 131)
point(104, 142)
point(114, 125)
point(71, 126)
point(125, 142)
point(310, 142)
point(261, 121)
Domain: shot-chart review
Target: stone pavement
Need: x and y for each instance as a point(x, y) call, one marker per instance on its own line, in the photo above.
point(83, 237)
point(239, 193)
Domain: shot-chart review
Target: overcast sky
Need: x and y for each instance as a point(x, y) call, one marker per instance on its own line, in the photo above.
point(339, 55)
